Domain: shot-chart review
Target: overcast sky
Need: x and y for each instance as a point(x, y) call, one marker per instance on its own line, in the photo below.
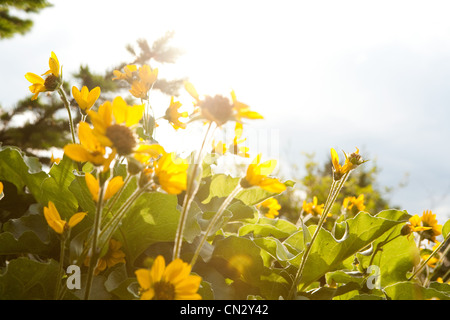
point(341, 74)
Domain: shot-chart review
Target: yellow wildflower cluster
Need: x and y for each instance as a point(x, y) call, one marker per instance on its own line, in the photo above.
point(426, 226)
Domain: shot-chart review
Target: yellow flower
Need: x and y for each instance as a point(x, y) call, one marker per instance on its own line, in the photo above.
point(141, 86)
point(113, 256)
point(147, 153)
point(273, 207)
point(235, 147)
point(429, 220)
point(93, 185)
point(1, 189)
point(219, 147)
point(85, 98)
point(219, 109)
point(128, 75)
point(349, 202)
point(172, 115)
point(414, 225)
point(112, 124)
point(171, 173)
point(257, 175)
point(171, 282)
point(54, 160)
point(90, 149)
point(54, 220)
point(312, 207)
point(51, 82)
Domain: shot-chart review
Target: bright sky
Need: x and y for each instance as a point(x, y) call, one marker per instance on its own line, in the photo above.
point(341, 74)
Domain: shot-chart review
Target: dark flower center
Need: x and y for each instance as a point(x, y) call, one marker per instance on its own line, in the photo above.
point(217, 108)
point(52, 82)
point(164, 290)
point(122, 139)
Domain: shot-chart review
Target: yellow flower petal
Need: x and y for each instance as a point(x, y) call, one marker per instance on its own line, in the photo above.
point(157, 270)
point(76, 218)
point(93, 185)
point(53, 218)
point(114, 185)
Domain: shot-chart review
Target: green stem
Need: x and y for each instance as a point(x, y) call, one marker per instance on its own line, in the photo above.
point(332, 195)
point(94, 252)
point(61, 265)
point(191, 190)
point(214, 221)
point(424, 263)
point(64, 99)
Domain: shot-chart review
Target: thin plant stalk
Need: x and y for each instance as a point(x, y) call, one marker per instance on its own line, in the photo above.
point(213, 222)
point(61, 264)
point(94, 252)
point(66, 103)
point(191, 190)
point(424, 263)
point(336, 187)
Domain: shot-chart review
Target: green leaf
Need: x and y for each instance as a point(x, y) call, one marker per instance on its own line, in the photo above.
point(446, 229)
point(327, 252)
point(275, 248)
point(221, 186)
point(25, 279)
point(242, 256)
point(412, 291)
point(153, 218)
point(28, 234)
point(395, 258)
point(56, 188)
point(22, 171)
point(278, 228)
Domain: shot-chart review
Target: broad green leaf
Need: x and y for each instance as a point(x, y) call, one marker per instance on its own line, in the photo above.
point(56, 188)
point(25, 279)
point(327, 253)
point(153, 218)
point(446, 229)
point(242, 256)
point(395, 258)
point(412, 291)
point(22, 171)
point(273, 285)
point(28, 234)
point(117, 283)
point(221, 186)
point(275, 248)
point(278, 228)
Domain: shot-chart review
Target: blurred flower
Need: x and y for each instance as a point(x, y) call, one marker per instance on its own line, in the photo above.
point(312, 207)
point(85, 98)
point(1, 189)
point(171, 173)
point(93, 185)
point(173, 116)
point(349, 202)
point(54, 160)
point(171, 282)
point(273, 207)
point(141, 86)
point(113, 256)
point(435, 259)
point(54, 220)
point(112, 124)
point(219, 147)
point(128, 74)
point(219, 109)
point(52, 80)
point(236, 148)
point(257, 175)
point(90, 149)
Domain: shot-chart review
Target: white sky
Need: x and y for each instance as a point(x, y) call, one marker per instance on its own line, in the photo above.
point(323, 73)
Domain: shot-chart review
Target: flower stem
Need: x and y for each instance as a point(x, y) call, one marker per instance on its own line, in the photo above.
point(64, 99)
point(191, 190)
point(424, 263)
point(336, 187)
point(61, 265)
point(94, 252)
point(213, 222)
